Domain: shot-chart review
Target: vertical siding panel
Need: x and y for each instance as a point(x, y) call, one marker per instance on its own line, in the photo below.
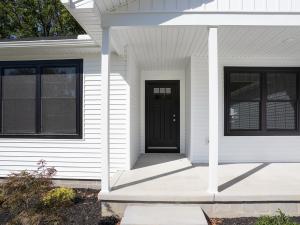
point(211, 5)
point(296, 5)
point(236, 5)
point(260, 5)
point(198, 5)
point(171, 5)
point(248, 5)
point(134, 6)
point(215, 5)
point(273, 5)
point(158, 5)
point(285, 5)
point(145, 5)
point(224, 5)
point(183, 5)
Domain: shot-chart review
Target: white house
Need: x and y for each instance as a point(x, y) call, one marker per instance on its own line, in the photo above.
point(217, 81)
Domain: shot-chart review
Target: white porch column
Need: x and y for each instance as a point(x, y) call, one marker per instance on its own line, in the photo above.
point(105, 72)
point(213, 109)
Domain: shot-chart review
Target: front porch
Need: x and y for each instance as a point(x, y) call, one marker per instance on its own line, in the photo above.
point(196, 57)
point(166, 178)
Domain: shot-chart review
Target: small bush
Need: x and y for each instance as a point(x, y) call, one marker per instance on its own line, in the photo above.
point(23, 192)
point(59, 197)
point(280, 219)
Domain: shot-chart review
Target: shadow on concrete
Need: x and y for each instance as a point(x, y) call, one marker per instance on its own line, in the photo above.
point(150, 178)
point(152, 159)
point(243, 176)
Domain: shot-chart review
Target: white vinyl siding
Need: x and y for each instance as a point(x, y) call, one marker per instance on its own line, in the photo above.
point(73, 158)
point(133, 78)
point(77, 158)
point(188, 109)
point(212, 5)
point(119, 113)
point(235, 148)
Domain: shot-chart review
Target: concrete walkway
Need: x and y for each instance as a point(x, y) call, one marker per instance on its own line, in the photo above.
point(172, 178)
point(163, 215)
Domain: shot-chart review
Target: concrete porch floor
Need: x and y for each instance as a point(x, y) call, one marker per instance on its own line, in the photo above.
point(172, 178)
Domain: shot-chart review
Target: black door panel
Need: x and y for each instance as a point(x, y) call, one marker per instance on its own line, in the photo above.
point(162, 116)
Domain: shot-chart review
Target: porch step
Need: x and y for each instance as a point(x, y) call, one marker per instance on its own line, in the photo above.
point(167, 214)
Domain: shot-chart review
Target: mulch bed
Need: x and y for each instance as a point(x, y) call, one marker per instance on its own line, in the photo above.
point(85, 211)
point(241, 221)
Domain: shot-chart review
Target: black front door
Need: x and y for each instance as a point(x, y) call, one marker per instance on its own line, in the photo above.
point(162, 116)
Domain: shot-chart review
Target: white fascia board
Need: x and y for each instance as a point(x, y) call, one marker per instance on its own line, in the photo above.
point(87, 14)
point(201, 19)
point(76, 43)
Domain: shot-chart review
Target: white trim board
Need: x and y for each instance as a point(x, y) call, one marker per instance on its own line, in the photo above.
point(164, 75)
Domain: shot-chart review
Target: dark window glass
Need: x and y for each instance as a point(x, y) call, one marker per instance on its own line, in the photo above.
point(281, 96)
point(40, 99)
point(244, 115)
point(281, 115)
point(19, 101)
point(281, 86)
point(245, 101)
point(262, 101)
point(245, 86)
point(58, 94)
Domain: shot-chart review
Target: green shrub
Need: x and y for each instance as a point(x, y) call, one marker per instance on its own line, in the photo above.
point(23, 192)
point(59, 197)
point(279, 219)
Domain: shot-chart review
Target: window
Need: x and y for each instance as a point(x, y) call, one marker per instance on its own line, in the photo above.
point(261, 101)
point(41, 99)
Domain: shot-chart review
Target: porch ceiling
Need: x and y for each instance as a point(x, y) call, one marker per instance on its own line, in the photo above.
point(169, 47)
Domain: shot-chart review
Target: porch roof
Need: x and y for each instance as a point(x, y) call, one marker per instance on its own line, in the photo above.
point(95, 14)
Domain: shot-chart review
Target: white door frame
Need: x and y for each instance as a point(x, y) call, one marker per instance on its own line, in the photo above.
point(164, 75)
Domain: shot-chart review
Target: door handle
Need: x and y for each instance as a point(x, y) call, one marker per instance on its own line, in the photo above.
point(174, 115)
point(174, 120)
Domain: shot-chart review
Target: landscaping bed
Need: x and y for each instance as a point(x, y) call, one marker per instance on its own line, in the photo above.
point(30, 198)
point(86, 210)
point(248, 221)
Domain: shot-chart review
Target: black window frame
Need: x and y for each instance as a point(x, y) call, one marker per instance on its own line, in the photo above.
point(39, 65)
point(262, 131)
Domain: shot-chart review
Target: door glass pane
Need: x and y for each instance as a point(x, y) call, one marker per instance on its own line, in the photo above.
point(245, 86)
point(162, 90)
point(244, 116)
point(281, 86)
point(156, 90)
point(168, 91)
point(19, 97)
point(281, 115)
point(58, 92)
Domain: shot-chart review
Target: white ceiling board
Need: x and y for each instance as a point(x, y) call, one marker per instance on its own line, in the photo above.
point(169, 47)
point(162, 48)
